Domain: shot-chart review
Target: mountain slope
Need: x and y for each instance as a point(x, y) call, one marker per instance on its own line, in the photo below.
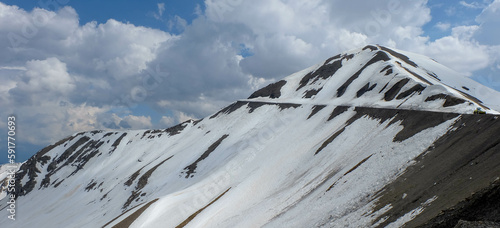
point(369, 138)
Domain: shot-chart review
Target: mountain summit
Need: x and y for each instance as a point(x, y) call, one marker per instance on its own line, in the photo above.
point(374, 137)
point(376, 76)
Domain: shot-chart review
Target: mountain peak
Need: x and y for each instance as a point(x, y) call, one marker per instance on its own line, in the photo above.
point(377, 76)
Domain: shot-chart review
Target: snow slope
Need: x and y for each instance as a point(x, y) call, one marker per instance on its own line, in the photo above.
point(324, 147)
point(5, 175)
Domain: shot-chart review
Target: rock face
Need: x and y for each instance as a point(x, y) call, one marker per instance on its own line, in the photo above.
point(373, 137)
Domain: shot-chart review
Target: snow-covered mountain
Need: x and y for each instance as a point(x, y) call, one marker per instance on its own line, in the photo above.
point(378, 77)
point(373, 137)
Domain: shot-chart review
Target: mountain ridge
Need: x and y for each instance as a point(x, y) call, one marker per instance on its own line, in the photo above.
point(295, 153)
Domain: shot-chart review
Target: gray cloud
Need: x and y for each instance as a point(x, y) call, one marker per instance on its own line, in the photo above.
point(202, 63)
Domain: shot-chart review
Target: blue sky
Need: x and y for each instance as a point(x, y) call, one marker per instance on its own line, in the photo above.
point(143, 13)
point(452, 14)
point(75, 66)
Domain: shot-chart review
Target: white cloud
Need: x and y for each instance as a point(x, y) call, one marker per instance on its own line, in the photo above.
point(136, 122)
point(464, 32)
point(487, 34)
point(166, 121)
point(42, 80)
point(489, 21)
point(13, 68)
point(472, 5)
point(469, 48)
point(48, 75)
point(60, 77)
point(443, 26)
point(460, 55)
point(161, 8)
point(51, 121)
point(184, 117)
point(305, 32)
point(83, 118)
point(196, 107)
point(178, 23)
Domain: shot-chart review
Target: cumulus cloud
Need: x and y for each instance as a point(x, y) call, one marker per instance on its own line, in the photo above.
point(42, 78)
point(60, 75)
point(305, 32)
point(105, 60)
